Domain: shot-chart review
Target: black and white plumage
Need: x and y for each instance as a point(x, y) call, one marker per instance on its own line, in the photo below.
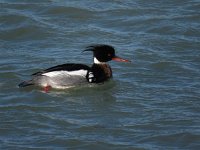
point(70, 75)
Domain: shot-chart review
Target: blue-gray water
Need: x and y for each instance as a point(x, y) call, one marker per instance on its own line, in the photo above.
point(151, 103)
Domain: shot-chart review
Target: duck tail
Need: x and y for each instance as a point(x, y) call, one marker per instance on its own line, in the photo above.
point(26, 83)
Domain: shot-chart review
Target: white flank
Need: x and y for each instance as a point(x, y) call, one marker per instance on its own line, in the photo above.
point(82, 73)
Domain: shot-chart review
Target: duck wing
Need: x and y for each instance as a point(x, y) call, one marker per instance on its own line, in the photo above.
point(67, 68)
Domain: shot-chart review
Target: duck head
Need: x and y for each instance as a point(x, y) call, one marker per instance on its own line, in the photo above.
point(104, 53)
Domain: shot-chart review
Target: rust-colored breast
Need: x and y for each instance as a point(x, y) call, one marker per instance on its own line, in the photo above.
point(107, 70)
point(102, 72)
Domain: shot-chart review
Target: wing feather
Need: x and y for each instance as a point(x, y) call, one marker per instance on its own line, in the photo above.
point(68, 68)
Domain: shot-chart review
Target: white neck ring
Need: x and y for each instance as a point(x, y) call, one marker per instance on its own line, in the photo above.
point(96, 61)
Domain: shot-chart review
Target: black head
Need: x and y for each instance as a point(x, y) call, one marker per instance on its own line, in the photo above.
point(104, 53)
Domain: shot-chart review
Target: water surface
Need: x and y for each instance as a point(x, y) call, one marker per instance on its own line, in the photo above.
point(151, 103)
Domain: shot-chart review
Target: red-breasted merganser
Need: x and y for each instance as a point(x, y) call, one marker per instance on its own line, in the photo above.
point(70, 75)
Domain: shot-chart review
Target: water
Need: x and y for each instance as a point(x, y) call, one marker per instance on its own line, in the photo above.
point(151, 103)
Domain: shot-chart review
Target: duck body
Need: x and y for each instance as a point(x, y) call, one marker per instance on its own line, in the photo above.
point(70, 75)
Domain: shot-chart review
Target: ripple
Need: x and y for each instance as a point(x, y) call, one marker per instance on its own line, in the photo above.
point(176, 139)
point(151, 103)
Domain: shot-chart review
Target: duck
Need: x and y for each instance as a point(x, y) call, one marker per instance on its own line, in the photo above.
point(74, 74)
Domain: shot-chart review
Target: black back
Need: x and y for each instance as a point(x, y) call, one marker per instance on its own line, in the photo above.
point(64, 67)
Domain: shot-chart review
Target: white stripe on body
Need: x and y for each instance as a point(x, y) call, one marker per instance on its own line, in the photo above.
point(81, 72)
